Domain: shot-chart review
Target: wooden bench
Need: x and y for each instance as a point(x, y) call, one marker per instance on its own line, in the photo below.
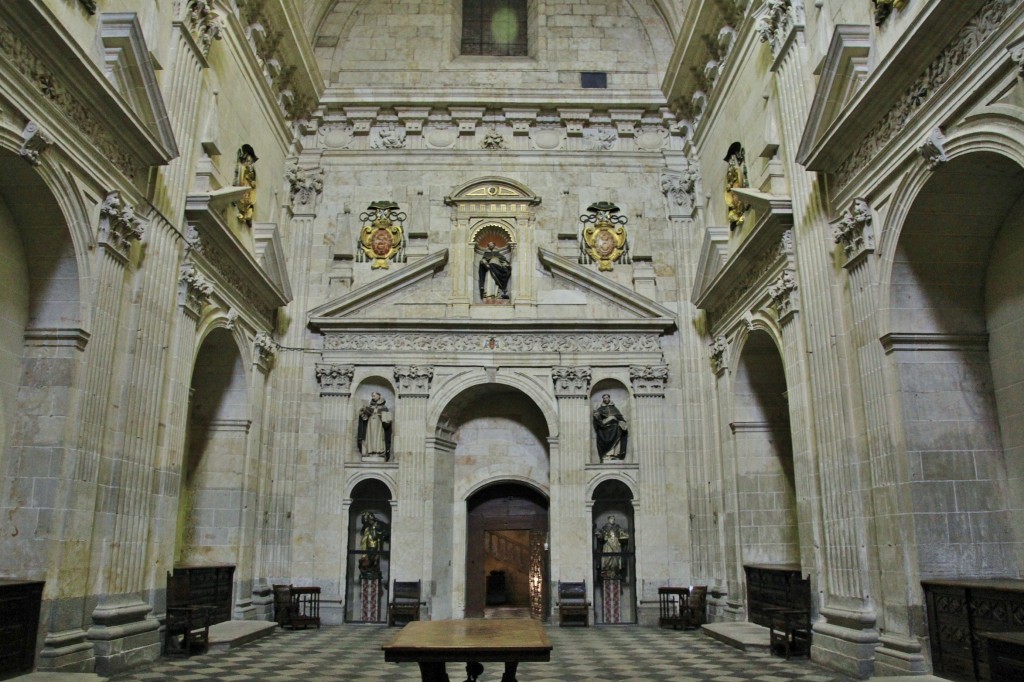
point(779, 598)
point(790, 632)
point(187, 629)
point(572, 603)
point(405, 602)
point(684, 607)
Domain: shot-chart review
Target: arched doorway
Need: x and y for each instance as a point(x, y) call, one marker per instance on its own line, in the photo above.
point(765, 481)
point(506, 555)
point(956, 316)
point(369, 552)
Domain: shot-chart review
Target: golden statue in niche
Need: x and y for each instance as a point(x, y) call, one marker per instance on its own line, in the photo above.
point(245, 176)
point(382, 237)
point(735, 176)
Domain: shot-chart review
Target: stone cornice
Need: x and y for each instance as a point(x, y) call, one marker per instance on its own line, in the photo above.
point(227, 263)
point(53, 71)
point(934, 27)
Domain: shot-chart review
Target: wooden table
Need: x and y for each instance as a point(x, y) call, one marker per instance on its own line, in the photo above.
point(436, 642)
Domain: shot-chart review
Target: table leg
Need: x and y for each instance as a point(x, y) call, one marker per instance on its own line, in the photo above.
point(431, 671)
point(473, 671)
point(510, 671)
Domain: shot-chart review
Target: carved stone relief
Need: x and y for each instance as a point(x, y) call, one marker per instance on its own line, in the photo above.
point(118, 224)
point(334, 379)
point(505, 343)
point(35, 141)
point(718, 349)
point(193, 290)
point(571, 382)
point(853, 231)
point(414, 380)
point(305, 185)
point(783, 294)
point(649, 380)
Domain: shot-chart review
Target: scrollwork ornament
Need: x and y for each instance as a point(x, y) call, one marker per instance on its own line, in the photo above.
point(118, 224)
point(305, 185)
point(414, 380)
point(194, 290)
point(266, 348)
point(783, 294)
point(334, 379)
point(649, 380)
point(571, 382)
point(35, 141)
point(719, 347)
point(510, 343)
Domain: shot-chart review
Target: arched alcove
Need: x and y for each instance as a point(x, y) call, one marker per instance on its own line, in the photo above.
point(369, 552)
point(213, 469)
point(610, 420)
point(374, 405)
point(614, 534)
point(765, 481)
point(956, 312)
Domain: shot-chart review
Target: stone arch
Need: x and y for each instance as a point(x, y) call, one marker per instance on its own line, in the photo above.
point(543, 398)
point(621, 476)
point(951, 311)
point(383, 477)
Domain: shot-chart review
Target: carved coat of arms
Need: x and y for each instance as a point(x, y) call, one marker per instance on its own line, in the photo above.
point(382, 237)
point(605, 234)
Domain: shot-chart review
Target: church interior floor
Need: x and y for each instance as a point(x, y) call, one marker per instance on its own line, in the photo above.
point(351, 653)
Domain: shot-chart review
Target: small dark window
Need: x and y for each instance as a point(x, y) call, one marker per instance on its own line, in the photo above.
point(494, 28)
point(594, 79)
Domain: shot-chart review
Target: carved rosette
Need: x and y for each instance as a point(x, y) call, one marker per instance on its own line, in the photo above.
point(193, 290)
point(933, 150)
point(571, 382)
point(35, 141)
point(783, 294)
point(203, 23)
point(681, 189)
point(719, 348)
point(414, 381)
point(334, 380)
point(854, 232)
point(265, 349)
point(382, 237)
point(118, 224)
point(604, 238)
point(305, 185)
point(649, 381)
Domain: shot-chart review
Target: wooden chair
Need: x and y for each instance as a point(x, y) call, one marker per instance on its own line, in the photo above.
point(790, 632)
point(693, 609)
point(187, 630)
point(283, 604)
point(572, 603)
point(405, 602)
point(672, 606)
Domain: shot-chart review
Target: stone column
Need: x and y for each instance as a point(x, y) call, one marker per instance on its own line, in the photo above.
point(570, 526)
point(329, 531)
point(900, 652)
point(646, 440)
point(848, 631)
point(411, 528)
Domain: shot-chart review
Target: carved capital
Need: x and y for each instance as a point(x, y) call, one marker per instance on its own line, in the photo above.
point(193, 290)
point(414, 381)
point(334, 379)
point(783, 294)
point(933, 150)
point(1017, 55)
point(118, 224)
point(305, 185)
point(719, 349)
point(775, 24)
point(571, 382)
point(265, 349)
point(649, 380)
point(35, 141)
point(203, 23)
point(854, 232)
point(681, 188)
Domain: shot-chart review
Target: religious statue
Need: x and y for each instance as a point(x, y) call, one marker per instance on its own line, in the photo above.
point(246, 177)
point(612, 540)
point(373, 437)
point(495, 273)
point(611, 430)
point(372, 537)
point(735, 176)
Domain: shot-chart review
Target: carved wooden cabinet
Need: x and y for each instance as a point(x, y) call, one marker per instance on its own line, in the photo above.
point(210, 586)
point(20, 601)
point(960, 615)
point(773, 587)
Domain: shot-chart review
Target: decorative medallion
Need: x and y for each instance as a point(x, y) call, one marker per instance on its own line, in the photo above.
point(382, 238)
point(606, 239)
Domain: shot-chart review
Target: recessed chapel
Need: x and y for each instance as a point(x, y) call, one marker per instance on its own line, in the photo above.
point(498, 295)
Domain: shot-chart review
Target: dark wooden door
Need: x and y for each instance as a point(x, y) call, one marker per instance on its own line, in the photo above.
point(496, 509)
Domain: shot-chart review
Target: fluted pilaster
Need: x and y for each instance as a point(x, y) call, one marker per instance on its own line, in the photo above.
point(570, 536)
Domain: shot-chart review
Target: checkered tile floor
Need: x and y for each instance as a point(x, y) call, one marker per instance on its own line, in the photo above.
point(351, 653)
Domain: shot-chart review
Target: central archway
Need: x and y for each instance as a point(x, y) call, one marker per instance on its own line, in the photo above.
point(506, 560)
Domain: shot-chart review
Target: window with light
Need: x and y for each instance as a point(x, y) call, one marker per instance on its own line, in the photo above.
point(495, 28)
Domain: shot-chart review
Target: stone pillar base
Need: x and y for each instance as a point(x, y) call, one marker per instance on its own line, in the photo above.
point(123, 634)
point(848, 646)
point(899, 656)
point(67, 652)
